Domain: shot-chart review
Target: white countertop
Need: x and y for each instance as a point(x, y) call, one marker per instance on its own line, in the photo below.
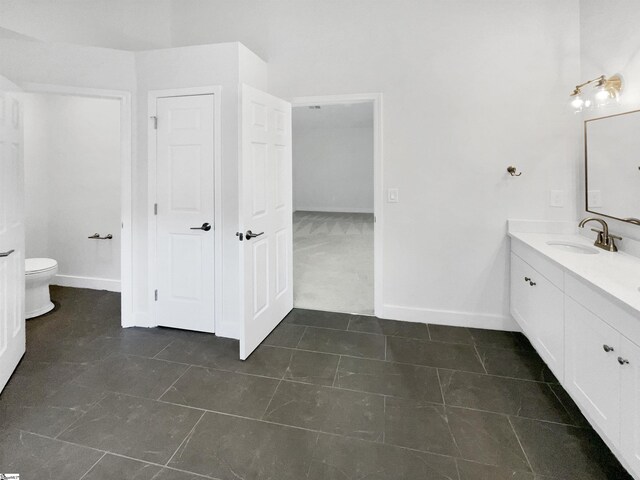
point(616, 274)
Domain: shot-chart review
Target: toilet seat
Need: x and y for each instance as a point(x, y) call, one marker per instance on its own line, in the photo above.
point(39, 265)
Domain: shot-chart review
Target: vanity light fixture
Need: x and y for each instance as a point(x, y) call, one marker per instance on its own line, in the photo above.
point(607, 89)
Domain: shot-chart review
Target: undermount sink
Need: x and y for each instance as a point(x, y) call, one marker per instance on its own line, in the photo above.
point(573, 248)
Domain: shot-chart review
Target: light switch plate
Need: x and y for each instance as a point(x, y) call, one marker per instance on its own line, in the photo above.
point(392, 195)
point(556, 198)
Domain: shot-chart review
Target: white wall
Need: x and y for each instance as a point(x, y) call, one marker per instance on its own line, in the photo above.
point(123, 24)
point(610, 43)
point(332, 168)
point(72, 187)
point(469, 88)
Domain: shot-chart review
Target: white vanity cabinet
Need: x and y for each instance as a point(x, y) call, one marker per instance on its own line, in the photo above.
point(588, 337)
point(592, 373)
point(630, 403)
point(538, 305)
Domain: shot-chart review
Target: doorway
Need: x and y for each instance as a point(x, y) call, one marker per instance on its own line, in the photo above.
point(73, 188)
point(336, 203)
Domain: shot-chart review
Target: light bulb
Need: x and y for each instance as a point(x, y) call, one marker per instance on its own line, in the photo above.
point(577, 102)
point(602, 96)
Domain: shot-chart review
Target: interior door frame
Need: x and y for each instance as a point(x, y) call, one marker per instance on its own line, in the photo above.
point(378, 176)
point(126, 185)
point(152, 134)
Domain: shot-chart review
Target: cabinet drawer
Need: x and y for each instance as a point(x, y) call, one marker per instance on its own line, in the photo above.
point(603, 306)
point(551, 271)
point(592, 372)
point(538, 306)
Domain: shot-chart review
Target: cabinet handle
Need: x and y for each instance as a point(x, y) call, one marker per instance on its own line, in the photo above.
point(623, 361)
point(607, 348)
point(533, 284)
point(527, 279)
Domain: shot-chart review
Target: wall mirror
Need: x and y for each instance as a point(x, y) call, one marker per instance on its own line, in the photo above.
point(612, 165)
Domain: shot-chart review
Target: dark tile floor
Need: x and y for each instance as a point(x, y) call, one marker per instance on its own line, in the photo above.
point(327, 397)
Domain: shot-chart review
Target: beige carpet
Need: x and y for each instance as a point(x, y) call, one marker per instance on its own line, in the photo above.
point(333, 261)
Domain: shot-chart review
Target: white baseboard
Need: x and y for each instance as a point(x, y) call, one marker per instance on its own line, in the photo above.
point(87, 282)
point(334, 209)
point(449, 317)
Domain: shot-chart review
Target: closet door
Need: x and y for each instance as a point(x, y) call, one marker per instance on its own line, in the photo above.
point(12, 322)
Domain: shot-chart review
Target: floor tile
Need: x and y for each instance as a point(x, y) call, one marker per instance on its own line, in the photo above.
point(486, 438)
point(36, 457)
point(339, 458)
point(328, 410)
point(317, 318)
point(393, 328)
point(143, 377)
point(524, 364)
point(285, 335)
point(143, 342)
point(232, 448)
point(223, 354)
point(49, 415)
point(134, 427)
point(111, 467)
point(387, 378)
point(502, 395)
point(567, 452)
point(418, 425)
point(222, 391)
point(433, 354)
point(312, 367)
point(477, 471)
point(354, 344)
point(478, 336)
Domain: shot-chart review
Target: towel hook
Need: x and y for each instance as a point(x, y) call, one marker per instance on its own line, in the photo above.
point(96, 236)
point(512, 171)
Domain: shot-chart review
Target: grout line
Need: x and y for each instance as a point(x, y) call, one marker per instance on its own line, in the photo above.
point(92, 466)
point(185, 439)
point(520, 443)
point(386, 341)
point(174, 382)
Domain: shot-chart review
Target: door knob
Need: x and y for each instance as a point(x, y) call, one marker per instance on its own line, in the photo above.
point(6, 254)
point(607, 348)
point(205, 226)
point(249, 235)
point(623, 361)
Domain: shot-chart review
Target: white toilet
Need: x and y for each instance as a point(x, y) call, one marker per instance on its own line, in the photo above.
point(38, 273)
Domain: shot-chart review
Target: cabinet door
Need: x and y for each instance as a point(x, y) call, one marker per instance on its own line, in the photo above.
point(630, 403)
point(538, 306)
point(592, 374)
point(521, 301)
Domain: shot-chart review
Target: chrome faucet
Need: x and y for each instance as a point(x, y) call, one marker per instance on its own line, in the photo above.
point(605, 240)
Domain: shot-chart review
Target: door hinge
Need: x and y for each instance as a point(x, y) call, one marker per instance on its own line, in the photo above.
point(155, 208)
point(155, 295)
point(155, 122)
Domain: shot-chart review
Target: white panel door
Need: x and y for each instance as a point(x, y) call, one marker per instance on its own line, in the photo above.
point(185, 223)
point(266, 212)
point(12, 322)
point(592, 374)
point(629, 364)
